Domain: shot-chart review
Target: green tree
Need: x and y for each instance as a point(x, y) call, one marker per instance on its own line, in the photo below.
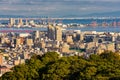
point(8, 76)
point(52, 67)
point(57, 71)
point(50, 57)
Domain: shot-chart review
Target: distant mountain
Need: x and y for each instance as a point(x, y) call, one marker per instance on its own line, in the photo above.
point(106, 14)
point(11, 16)
point(70, 16)
point(21, 16)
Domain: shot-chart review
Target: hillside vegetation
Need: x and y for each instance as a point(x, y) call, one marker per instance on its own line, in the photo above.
point(52, 67)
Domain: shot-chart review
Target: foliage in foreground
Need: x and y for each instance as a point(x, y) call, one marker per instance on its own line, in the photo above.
point(52, 67)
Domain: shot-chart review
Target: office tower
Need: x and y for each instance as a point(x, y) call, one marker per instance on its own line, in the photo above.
point(12, 21)
point(26, 22)
point(20, 22)
point(51, 32)
point(58, 33)
point(37, 34)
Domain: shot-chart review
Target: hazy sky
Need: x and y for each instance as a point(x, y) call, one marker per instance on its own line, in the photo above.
point(57, 7)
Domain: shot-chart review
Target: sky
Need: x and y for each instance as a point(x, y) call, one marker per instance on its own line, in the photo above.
point(57, 8)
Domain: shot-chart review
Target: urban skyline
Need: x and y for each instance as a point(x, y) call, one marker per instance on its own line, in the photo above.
point(59, 40)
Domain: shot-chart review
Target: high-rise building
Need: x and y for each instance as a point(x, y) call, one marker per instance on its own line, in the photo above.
point(51, 32)
point(20, 22)
point(12, 21)
point(58, 33)
point(37, 34)
point(26, 22)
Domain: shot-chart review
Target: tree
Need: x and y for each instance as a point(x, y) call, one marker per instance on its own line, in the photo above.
point(110, 56)
point(8, 76)
point(52, 67)
point(57, 71)
point(50, 57)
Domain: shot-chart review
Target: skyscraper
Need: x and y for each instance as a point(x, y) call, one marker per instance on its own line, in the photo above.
point(20, 22)
point(37, 34)
point(26, 22)
point(58, 33)
point(12, 21)
point(51, 32)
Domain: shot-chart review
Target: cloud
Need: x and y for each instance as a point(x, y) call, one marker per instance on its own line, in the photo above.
point(57, 7)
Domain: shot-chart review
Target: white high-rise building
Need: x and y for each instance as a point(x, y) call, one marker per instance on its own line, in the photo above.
point(37, 34)
point(58, 33)
point(12, 21)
